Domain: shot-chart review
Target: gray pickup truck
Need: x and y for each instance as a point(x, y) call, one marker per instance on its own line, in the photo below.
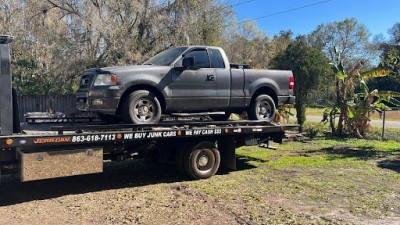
point(194, 79)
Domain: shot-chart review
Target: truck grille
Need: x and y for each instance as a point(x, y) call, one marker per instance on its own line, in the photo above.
point(85, 82)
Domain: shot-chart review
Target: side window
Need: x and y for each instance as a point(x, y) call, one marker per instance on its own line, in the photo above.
point(216, 59)
point(200, 58)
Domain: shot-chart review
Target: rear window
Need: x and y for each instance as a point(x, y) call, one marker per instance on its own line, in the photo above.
point(216, 59)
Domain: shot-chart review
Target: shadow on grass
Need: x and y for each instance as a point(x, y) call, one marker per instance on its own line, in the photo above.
point(130, 173)
point(359, 153)
point(243, 162)
point(390, 164)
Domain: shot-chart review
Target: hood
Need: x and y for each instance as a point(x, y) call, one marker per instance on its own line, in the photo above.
point(128, 69)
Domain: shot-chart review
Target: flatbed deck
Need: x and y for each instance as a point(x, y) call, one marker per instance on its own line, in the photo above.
point(47, 135)
point(43, 151)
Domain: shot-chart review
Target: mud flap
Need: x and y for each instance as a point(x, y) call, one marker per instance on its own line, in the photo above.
point(226, 147)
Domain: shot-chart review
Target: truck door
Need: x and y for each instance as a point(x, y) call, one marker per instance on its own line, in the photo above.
point(222, 76)
point(195, 88)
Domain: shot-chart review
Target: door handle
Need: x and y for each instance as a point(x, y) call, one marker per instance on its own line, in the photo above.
point(210, 77)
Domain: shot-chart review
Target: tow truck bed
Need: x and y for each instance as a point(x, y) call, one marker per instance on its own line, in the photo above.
point(41, 136)
point(42, 152)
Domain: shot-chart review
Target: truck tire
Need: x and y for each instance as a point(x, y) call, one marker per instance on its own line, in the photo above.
point(262, 108)
point(142, 107)
point(201, 161)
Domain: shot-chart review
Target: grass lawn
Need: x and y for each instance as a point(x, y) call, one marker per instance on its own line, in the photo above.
point(325, 180)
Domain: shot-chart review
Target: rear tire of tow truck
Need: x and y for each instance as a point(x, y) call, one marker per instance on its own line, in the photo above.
point(200, 161)
point(262, 108)
point(142, 107)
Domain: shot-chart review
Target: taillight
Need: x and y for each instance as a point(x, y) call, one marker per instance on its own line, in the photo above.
point(291, 83)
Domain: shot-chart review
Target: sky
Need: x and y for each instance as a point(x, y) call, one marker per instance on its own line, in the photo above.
point(377, 15)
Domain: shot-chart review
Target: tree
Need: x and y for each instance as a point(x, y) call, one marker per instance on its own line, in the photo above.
point(351, 39)
point(390, 58)
point(353, 108)
point(245, 43)
point(56, 40)
point(308, 65)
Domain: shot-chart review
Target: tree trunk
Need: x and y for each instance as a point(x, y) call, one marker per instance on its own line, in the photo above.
point(342, 118)
point(301, 114)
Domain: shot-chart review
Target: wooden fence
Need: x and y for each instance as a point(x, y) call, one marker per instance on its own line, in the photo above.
point(63, 103)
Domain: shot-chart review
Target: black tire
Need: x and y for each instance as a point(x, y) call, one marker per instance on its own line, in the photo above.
point(262, 108)
point(142, 107)
point(221, 117)
point(108, 119)
point(201, 161)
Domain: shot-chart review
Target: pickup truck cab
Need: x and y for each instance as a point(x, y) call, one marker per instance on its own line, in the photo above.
point(183, 80)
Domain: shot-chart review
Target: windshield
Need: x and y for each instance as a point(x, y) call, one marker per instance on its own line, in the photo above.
point(166, 57)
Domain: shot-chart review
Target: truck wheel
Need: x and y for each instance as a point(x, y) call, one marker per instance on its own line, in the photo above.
point(262, 108)
point(201, 161)
point(142, 107)
point(221, 117)
point(108, 119)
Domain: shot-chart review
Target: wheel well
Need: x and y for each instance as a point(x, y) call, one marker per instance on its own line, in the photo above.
point(150, 88)
point(266, 90)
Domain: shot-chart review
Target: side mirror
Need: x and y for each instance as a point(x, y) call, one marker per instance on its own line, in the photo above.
point(188, 62)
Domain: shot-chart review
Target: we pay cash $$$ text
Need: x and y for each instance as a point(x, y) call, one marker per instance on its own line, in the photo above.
point(160, 134)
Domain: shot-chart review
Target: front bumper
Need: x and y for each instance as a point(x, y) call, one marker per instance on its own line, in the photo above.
point(103, 100)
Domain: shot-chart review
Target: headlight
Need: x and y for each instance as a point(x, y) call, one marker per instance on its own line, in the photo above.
point(105, 79)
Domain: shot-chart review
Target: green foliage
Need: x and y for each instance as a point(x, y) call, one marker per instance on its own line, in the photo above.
point(29, 78)
point(308, 65)
point(390, 57)
point(285, 110)
point(283, 113)
point(313, 131)
point(351, 39)
point(353, 108)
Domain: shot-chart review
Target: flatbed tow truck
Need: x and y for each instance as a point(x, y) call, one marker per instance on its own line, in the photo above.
point(198, 148)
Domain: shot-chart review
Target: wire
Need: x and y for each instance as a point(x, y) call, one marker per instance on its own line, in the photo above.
point(233, 5)
point(239, 3)
point(281, 12)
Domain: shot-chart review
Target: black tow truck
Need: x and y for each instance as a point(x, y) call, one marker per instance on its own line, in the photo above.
point(198, 148)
